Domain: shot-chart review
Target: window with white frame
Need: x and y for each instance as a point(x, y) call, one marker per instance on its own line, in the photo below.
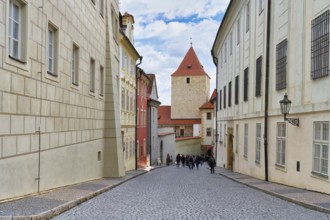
point(237, 139)
point(238, 30)
point(231, 43)
point(74, 65)
point(321, 149)
point(261, 6)
point(52, 50)
point(208, 132)
point(220, 134)
point(17, 31)
point(248, 17)
point(280, 144)
point(224, 135)
point(123, 98)
point(101, 81)
point(246, 138)
point(92, 76)
point(258, 142)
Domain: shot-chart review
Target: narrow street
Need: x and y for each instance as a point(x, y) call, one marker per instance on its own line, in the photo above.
point(180, 193)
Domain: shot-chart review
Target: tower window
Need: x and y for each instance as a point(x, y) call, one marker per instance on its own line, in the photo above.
point(187, 80)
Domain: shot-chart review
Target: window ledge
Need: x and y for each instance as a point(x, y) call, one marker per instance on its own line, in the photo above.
point(16, 59)
point(320, 175)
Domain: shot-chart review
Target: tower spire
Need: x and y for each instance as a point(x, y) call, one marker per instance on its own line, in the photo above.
point(191, 43)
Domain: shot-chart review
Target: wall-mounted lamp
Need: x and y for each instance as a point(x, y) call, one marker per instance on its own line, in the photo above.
point(285, 109)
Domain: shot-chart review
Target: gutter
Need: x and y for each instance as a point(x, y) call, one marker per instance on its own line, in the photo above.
point(267, 88)
point(136, 112)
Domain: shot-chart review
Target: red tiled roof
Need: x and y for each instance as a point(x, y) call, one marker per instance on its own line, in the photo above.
point(190, 66)
point(164, 117)
point(207, 105)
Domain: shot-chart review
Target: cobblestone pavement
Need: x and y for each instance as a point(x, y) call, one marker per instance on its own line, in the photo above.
point(180, 193)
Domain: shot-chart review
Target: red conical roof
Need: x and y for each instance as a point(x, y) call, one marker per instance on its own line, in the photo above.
point(190, 66)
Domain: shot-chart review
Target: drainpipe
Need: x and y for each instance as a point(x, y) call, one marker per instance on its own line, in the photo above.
point(215, 61)
point(136, 112)
point(267, 88)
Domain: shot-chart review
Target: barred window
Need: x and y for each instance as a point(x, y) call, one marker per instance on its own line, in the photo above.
point(280, 144)
point(320, 46)
point(229, 94)
point(321, 149)
point(236, 89)
point(224, 97)
point(258, 76)
point(246, 83)
point(281, 54)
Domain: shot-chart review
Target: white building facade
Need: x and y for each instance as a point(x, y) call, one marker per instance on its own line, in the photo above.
point(264, 50)
point(59, 77)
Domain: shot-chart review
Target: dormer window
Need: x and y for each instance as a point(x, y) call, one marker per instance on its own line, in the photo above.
point(187, 80)
point(189, 66)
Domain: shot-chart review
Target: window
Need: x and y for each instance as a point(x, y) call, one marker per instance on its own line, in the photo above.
point(280, 144)
point(320, 46)
point(225, 52)
point(229, 94)
point(114, 24)
point(246, 83)
point(102, 8)
point(261, 6)
point(220, 100)
point(92, 76)
point(208, 115)
point(246, 136)
point(231, 44)
point(321, 148)
point(258, 142)
point(237, 139)
point(258, 76)
point(101, 81)
point(187, 80)
point(238, 31)
point(220, 134)
point(224, 97)
point(208, 132)
point(281, 52)
point(224, 134)
point(248, 17)
point(236, 89)
point(17, 31)
point(74, 65)
point(123, 98)
point(52, 50)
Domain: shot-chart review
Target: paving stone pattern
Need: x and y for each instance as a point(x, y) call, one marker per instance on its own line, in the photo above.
point(180, 193)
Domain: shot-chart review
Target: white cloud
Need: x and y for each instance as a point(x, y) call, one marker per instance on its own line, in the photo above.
point(162, 35)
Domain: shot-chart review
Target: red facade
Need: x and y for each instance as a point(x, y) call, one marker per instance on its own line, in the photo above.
point(142, 84)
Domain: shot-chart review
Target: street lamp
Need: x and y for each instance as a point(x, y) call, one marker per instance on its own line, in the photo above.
point(285, 109)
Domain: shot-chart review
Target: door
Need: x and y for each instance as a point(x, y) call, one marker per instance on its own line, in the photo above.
point(230, 138)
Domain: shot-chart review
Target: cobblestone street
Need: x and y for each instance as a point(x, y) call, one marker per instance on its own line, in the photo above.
point(180, 193)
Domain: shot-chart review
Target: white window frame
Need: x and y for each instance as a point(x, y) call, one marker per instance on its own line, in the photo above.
point(52, 50)
point(238, 23)
point(258, 143)
point(220, 134)
point(321, 157)
point(92, 76)
point(281, 144)
point(246, 138)
point(75, 65)
point(261, 6)
point(12, 39)
point(248, 17)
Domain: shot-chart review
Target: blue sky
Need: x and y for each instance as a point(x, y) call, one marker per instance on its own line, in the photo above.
point(162, 32)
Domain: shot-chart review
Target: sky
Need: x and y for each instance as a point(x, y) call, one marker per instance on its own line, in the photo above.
point(164, 31)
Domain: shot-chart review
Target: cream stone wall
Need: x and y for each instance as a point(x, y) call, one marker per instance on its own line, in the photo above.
point(78, 133)
point(187, 98)
point(291, 20)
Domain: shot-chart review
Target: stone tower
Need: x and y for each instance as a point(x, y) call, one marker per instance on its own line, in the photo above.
point(190, 88)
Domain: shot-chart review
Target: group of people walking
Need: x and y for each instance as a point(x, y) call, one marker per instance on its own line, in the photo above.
point(191, 161)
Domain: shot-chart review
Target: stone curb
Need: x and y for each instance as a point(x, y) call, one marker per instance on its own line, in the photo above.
point(306, 205)
point(69, 205)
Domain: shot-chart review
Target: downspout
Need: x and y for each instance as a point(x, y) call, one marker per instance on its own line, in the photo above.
point(215, 61)
point(136, 112)
point(267, 89)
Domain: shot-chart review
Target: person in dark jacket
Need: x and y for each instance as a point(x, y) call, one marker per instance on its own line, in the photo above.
point(212, 163)
point(178, 159)
point(197, 161)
